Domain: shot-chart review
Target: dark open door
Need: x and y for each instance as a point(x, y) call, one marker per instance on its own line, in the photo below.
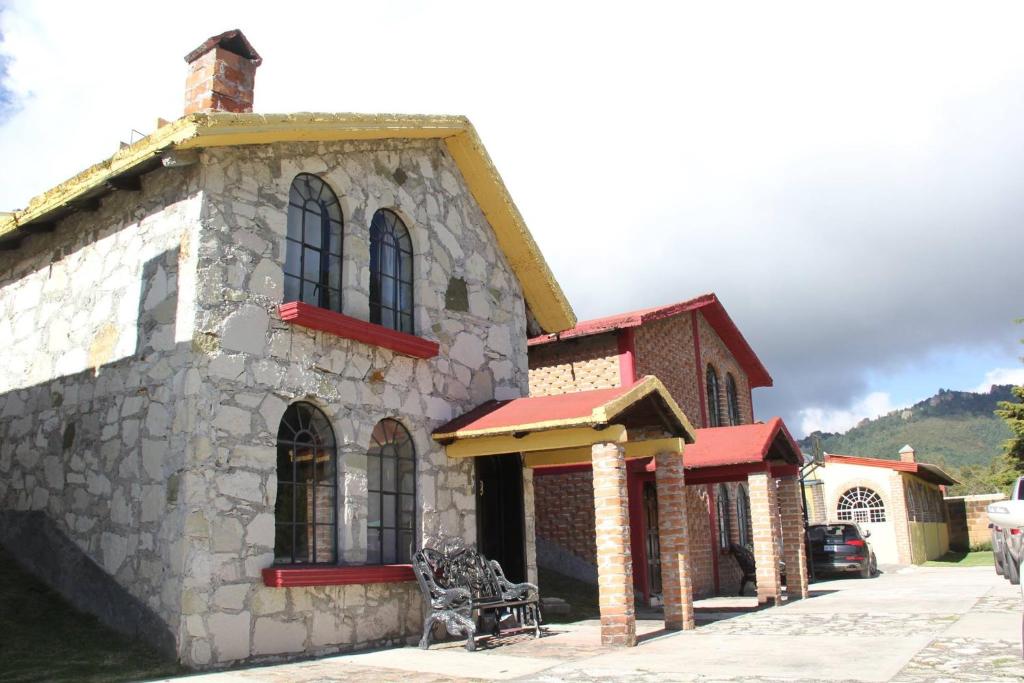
point(500, 523)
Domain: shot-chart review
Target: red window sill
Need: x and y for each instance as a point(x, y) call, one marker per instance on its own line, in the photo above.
point(345, 326)
point(293, 577)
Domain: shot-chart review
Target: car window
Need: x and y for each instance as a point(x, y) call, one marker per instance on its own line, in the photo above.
point(833, 533)
point(1020, 490)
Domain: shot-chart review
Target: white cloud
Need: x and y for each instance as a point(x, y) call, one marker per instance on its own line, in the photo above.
point(841, 419)
point(1001, 376)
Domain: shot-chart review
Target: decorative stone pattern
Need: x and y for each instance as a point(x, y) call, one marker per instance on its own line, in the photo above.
point(673, 539)
point(575, 365)
point(763, 507)
point(614, 559)
point(148, 370)
point(793, 550)
point(702, 541)
point(566, 516)
point(664, 348)
point(96, 319)
point(968, 520)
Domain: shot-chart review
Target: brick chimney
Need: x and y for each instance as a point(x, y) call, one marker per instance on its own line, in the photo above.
point(907, 454)
point(222, 74)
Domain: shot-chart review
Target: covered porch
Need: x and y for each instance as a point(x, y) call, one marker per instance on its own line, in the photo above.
point(767, 459)
point(604, 428)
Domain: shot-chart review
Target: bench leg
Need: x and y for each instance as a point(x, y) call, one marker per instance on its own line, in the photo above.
point(428, 629)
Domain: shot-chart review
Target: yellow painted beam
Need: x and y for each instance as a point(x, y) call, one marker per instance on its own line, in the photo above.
point(580, 455)
point(555, 439)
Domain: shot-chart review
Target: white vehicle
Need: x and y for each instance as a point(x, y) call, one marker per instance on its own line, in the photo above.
point(1006, 518)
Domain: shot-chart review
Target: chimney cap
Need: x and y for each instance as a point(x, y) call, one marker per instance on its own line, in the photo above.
point(907, 449)
point(233, 41)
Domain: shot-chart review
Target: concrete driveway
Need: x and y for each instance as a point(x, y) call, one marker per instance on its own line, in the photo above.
point(915, 624)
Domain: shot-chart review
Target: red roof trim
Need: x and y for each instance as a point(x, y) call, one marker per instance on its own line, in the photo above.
point(713, 312)
point(738, 445)
point(925, 470)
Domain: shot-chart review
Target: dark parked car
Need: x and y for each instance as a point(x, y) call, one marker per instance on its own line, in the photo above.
point(840, 548)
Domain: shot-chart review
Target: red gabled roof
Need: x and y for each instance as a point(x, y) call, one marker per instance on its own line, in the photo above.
point(577, 409)
point(709, 306)
point(741, 445)
point(927, 471)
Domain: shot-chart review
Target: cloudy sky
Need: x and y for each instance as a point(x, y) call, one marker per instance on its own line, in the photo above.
point(847, 178)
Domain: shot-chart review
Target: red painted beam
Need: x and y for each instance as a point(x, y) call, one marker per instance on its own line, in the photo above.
point(341, 325)
point(627, 357)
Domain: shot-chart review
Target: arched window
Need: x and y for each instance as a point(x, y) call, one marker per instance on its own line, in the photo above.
point(714, 418)
point(860, 504)
point(743, 516)
point(390, 272)
point(312, 265)
point(391, 488)
point(722, 507)
point(304, 516)
point(732, 400)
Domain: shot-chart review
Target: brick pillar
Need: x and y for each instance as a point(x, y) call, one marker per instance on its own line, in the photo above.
point(674, 539)
point(765, 521)
point(794, 551)
point(898, 515)
point(614, 559)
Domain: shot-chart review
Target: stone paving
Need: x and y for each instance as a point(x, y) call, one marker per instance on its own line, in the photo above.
point(925, 637)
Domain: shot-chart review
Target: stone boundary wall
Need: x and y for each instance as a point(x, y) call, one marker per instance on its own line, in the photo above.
point(575, 365)
point(968, 520)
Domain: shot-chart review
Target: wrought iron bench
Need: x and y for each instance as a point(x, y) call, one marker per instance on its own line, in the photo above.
point(745, 558)
point(469, 593)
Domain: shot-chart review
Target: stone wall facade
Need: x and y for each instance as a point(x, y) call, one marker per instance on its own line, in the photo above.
point(575, 365)
point(147, 425)
point(97, 322)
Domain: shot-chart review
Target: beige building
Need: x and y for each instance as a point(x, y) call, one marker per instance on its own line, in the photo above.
point(899, 501)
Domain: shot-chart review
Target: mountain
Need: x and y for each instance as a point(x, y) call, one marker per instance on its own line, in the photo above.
point(952, 429)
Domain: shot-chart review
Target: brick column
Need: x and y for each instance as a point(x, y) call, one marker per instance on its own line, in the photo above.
point(898, 514)
point(614, 559)
point(674, 539)
point(765, 521)
point(794, 551)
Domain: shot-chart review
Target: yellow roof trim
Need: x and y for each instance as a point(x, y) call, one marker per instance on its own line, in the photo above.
point(582, 454)
point(542, 292)
point(554, 440)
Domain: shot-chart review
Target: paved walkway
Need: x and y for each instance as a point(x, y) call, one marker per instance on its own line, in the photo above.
point(916, 624)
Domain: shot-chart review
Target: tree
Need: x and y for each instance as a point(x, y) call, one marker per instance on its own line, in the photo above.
point(1013, 413)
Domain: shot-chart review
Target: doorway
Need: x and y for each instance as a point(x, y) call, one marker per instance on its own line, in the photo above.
point(500, 522)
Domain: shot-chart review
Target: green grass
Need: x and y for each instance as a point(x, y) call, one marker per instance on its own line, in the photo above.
point(45, 639)
point(982, 558)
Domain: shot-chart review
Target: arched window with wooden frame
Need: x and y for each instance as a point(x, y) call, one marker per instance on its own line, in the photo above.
point(391, 491)
point(312, 265)
point(743, 522)
point(305, 521)
point(722, 512)
point(732, 400)
point(711, 384)
point(391, 303)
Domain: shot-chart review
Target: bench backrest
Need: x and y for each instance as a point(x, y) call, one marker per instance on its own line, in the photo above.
point(456, 567)
point(744, 557)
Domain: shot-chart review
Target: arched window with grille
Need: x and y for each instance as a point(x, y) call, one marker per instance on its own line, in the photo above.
point(722, 511)
point(743, 523)
point(732, 401)
point(391, 490)
point(312, 266)
point(391, 302)
point(862, 505)
point(714, 414)
point(304, 514)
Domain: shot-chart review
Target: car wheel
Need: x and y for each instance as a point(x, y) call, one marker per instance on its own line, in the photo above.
point(865, 572)
point(1010, 568)
point(998, 557)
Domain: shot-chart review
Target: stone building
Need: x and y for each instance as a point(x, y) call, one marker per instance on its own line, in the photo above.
point(226, 349)
point(899, 501)
point(741, 477)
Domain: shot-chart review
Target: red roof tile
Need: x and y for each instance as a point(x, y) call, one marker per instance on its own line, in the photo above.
point(926, 471)
point(713, 312)
point(740, 445)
